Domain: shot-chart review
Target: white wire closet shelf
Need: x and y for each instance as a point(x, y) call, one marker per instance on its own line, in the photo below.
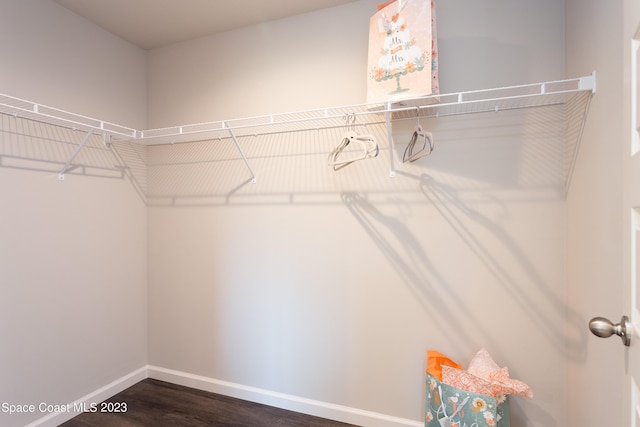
point(497, 99)
point(467, 102)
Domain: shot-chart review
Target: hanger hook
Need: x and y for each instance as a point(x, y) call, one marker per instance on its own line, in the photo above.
point(350, 120)
point(418, 125)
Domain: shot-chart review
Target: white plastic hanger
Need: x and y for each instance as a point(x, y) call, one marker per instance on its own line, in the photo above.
point(420, 145)
point(364, 147)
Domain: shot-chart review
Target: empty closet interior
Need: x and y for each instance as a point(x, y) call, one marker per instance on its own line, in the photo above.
point(180, 212)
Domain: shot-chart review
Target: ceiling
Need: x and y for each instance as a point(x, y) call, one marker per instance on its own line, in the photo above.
point(154, 23)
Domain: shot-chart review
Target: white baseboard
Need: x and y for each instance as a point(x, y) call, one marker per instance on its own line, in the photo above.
point(280, 400)
point(54, 419)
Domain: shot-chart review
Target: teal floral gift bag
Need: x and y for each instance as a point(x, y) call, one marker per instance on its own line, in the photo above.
point(448, 406)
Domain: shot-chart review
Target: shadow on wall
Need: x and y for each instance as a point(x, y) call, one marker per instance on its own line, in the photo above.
point(440, 297)
point(33, 146)
point(406, 254)
point(464, 220)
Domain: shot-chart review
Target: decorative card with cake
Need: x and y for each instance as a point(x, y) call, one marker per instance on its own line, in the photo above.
point(402, 51)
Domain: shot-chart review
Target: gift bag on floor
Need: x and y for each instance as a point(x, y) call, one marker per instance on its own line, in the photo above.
point(448, 406)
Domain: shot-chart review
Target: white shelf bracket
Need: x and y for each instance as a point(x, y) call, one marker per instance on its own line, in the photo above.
point(235, 140)
point(392, 172)
point(75, 153)
point(588, 83)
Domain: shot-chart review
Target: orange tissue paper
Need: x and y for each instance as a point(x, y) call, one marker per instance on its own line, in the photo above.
point(435, 362)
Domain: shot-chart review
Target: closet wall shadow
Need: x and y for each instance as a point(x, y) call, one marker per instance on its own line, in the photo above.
point(34, 146)
point(290, 168)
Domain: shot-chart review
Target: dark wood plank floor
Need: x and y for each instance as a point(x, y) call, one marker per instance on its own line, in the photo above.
point(157, 403)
